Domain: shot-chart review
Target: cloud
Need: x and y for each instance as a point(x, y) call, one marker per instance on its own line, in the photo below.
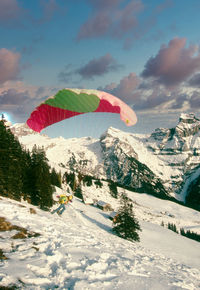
point(19, 99)
point(119, 19)
point(163, 6)
point(173, 64)
point(98, 67)
point(126, 19)
point(94, 68)
point(147, 95)
point(101, 20)
point(16, 103)
point(66, 74)
point(49, 7)
point(10, 12)
point(13, 97)
point(195, 100)
point(9, 65)
point(159, 100)
point(96, 26)
point(195, 81)
point(49, 10)
point(179, 101)
point(125, 89)
point(144, 26)
point(13, 14)
point(104, 4)
point(156, 98)
point(115, 18)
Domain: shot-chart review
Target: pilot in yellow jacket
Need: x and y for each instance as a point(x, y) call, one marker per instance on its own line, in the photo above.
point(63, 200)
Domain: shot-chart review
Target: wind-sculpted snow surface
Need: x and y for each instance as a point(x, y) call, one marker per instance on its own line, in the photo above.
point(79, 251)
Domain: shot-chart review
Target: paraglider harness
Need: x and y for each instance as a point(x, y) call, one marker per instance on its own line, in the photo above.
point(64, 199)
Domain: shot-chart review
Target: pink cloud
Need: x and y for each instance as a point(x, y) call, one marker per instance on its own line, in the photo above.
point(126, 88)
point(9, 65)
point(119, 19)
point(10, 12)
point(126, 18)
point(174, 63)
point(109, 18)
point(96, 26)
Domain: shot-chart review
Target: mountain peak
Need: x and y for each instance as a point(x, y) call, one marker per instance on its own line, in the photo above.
point(188, 118)
point(22, 129)
point(188, 125)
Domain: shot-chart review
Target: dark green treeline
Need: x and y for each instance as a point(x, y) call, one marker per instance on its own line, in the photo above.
point(25, 174)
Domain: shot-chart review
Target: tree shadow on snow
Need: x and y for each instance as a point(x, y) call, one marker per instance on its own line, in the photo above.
point(100, 225)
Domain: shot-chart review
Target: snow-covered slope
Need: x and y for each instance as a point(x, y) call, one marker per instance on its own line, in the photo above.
point(62, 152)
point(79, 251)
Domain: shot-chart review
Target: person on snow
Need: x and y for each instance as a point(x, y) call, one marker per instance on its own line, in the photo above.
point(63, 200)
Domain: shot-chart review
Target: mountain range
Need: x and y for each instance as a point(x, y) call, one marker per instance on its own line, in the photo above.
point(165, 163)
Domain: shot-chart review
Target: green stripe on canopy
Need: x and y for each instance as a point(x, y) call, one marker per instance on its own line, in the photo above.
point(81, 103)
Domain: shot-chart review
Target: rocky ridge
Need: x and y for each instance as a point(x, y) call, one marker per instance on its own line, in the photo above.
point(179, 147)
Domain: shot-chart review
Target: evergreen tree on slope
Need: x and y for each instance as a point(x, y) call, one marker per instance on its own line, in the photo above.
point(126, 225)
point(11, 156)
point(55, 178)
point(41, 179)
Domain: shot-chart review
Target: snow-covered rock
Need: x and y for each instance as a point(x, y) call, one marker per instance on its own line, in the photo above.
point(21, 129)
point(179, 148)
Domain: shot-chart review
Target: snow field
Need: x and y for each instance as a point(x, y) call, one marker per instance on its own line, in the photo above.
point(79, 251)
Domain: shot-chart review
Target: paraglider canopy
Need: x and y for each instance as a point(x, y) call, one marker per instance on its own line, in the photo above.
point(68, 103)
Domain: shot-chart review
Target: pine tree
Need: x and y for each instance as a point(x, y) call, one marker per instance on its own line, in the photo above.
point(55, 178)
point(78, 192)
point(172, 227)
point(98, 183)
point(11, 156)
point(23, 174)
point(27, 179)
point(70, 179)
point(41, 193)
point(3, 163)
point(126, 225)
point(113, 189)
point(189, 234)
point(87, 179)
point(15, 171)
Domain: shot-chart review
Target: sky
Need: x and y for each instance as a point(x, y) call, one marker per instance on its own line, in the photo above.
point(147, 53)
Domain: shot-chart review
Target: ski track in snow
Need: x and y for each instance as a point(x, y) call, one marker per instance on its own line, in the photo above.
point(79, 251)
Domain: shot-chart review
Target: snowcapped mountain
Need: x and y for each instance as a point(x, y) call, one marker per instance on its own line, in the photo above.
point(179, 148)
point(163, 163)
